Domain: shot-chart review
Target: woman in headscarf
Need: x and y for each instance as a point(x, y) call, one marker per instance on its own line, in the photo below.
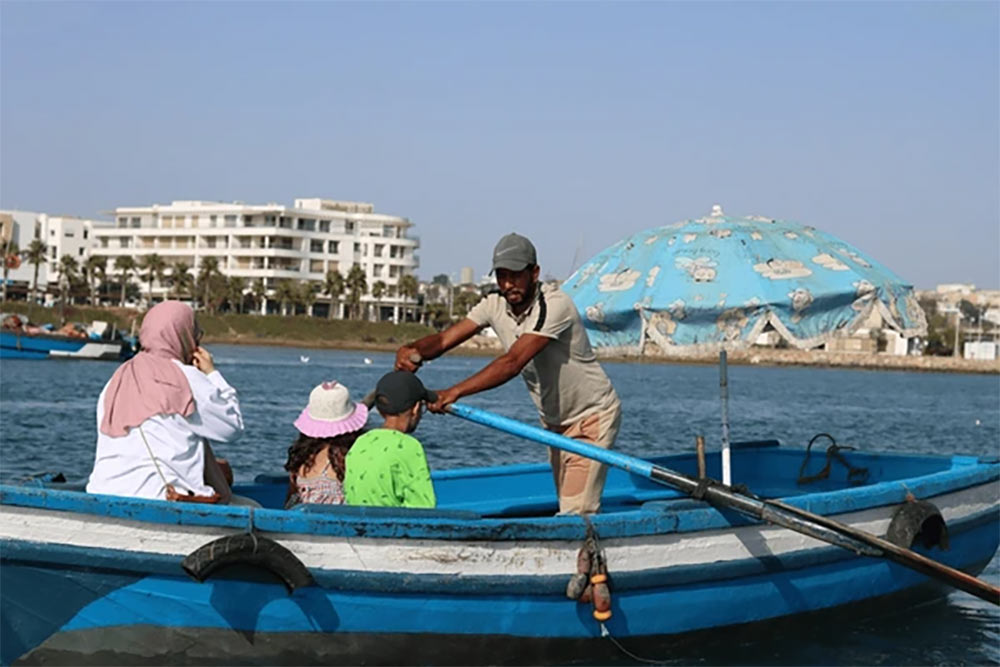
point(157, 413)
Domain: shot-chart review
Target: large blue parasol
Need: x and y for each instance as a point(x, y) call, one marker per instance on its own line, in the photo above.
point(718, 282)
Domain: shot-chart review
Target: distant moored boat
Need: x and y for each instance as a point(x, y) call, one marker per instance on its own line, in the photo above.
point(22, 345)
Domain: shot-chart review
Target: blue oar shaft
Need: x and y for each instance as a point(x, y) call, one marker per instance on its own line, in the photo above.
point(775, 512)
point(514, 427)
point(717, 495)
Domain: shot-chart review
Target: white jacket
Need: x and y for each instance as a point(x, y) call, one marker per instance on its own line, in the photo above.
point(123, 467)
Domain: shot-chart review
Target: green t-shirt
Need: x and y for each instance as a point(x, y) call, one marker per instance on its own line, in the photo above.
point(387, 468)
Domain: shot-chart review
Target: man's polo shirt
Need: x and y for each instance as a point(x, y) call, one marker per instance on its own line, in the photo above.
point(564, 379)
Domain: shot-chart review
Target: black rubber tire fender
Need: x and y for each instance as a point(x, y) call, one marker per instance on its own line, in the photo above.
point(248, 549)
point(918, 519)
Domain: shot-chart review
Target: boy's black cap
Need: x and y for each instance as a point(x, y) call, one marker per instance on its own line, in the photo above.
point(399, 391)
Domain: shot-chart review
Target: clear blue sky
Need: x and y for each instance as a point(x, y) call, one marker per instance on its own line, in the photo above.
point(575, 124)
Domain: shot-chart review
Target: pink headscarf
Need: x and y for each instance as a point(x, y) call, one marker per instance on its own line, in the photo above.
point(150, 383)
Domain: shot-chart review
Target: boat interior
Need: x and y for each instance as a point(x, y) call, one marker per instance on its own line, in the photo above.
point(526, 490)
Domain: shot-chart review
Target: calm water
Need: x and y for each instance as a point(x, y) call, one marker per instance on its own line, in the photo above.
point(47, 423)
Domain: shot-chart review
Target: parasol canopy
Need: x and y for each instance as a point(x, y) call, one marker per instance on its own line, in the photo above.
point(719, 282)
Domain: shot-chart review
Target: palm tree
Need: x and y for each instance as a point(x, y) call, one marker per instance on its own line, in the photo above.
point(378, 290)
point(357, 285)
point(391, 291)
point(126, 265)
point(67, 275)
point(35, 254)
point(436, 315)
point(68, 267)
point(284, 292)
point(11, 260)
point(154, 266)
point(259, 292)
point(465, 301)
point(305, 295)
point(209, 269)
point(408, 288)
point(93, 268)
point(235, 287)
point(180, 278)
point(333, 285)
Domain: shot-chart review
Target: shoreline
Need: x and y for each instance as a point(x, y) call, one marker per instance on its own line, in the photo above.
point(481, 346)
point(313, 333)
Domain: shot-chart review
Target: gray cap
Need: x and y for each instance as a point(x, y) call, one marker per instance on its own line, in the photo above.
point(514, 253)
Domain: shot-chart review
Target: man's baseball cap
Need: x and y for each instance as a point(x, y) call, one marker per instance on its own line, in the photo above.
point(514, 253)
point(399, 391)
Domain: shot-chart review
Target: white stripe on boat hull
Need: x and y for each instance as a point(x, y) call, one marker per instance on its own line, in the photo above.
point(91, 351)
point(449, 557)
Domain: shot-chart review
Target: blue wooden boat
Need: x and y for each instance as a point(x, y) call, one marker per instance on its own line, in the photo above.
point(482, 578)
point(16, 345)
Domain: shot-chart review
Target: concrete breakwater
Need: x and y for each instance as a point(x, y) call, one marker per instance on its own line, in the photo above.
point(790, 357)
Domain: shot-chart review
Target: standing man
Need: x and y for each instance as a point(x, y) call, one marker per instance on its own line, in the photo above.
point(546, 343)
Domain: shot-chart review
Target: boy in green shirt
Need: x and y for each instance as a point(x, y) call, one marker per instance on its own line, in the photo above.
point(386, 467)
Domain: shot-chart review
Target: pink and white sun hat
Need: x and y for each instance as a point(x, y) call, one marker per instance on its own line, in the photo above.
point(331, 412)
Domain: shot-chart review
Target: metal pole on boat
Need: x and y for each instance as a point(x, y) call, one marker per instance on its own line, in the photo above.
point(727, 474)
point(699, 445)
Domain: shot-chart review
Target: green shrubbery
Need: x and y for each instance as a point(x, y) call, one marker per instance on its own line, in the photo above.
point(309, 331)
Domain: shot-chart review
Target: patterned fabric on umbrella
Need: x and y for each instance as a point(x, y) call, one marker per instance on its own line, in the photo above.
point(718, 281)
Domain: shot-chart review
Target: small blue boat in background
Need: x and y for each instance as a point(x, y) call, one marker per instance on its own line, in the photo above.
point(482, 579)
point(113, 346)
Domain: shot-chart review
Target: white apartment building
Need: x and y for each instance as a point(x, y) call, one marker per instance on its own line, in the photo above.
point(62, 235)
point(270, 242)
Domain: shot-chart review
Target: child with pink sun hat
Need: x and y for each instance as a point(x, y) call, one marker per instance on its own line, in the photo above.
point(328, 426)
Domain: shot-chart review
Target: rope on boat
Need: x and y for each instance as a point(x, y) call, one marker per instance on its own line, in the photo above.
point(637, 658)
point(854, 475)
point(590, 581)
point(591, 584)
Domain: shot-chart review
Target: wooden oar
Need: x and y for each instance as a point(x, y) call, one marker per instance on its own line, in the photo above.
point(772, 511)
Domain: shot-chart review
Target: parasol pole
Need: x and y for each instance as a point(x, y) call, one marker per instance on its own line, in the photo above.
point(774, 512)
point(727, 473)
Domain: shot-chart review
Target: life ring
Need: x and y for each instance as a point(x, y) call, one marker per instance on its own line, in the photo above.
point(248, 549)
point(12, 261)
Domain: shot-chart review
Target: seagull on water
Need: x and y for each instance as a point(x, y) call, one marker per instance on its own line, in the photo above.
point(303, 358)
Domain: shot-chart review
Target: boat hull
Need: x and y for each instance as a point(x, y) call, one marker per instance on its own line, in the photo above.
point(22, 346)
point(263, 624)
point(90, 579)
point(154, 645)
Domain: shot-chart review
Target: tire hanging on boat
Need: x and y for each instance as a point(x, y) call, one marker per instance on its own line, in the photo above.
point(918, 519)
point(248, 549)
